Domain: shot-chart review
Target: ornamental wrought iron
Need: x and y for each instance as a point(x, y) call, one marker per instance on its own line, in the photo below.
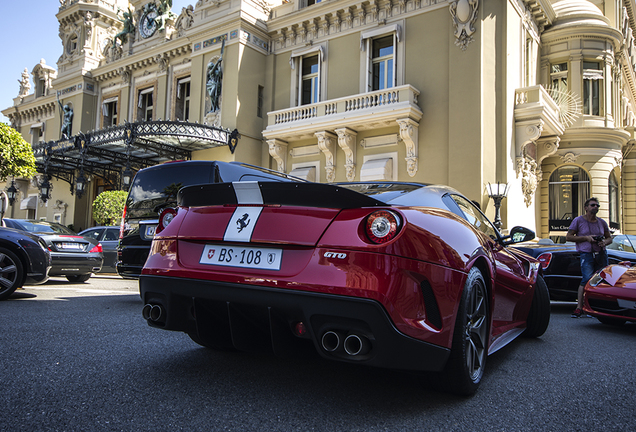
point(107, 153)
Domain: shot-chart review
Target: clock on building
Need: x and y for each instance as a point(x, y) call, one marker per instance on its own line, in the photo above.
point(148, 22)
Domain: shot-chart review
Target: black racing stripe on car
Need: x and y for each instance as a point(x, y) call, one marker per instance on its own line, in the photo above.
point(292, 194)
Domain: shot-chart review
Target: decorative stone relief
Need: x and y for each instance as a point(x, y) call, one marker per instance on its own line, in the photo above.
point(545, 148)
point(464, 14)
point(409, 133)
point(125, 75)
point(327, 144)
point(185, 20)
point(569, 158)
point(347, 142)
point(162, 61)
point(528, 179)
point(278, 150)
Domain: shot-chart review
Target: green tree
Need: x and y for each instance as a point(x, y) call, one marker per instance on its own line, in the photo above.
point(16, 155)
point(108, 207)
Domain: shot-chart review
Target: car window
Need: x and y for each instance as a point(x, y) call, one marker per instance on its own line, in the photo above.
point(621, 243)
point(475, 217)
point(631, 239)
point(93, 234)
point(112, 234)
point(44, 227)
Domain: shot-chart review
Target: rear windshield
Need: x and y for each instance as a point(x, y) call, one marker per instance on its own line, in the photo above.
point(384, 192)
point(154, 188)
point(42, 227)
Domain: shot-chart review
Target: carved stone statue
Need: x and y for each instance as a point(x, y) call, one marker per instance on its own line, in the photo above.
point(25, 83)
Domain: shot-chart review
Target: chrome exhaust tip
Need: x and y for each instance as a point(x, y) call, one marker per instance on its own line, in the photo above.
point(355, 345)
point(152, 312)
point(330, 341)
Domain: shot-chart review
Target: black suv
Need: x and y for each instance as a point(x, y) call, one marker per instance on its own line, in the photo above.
point(155, 188)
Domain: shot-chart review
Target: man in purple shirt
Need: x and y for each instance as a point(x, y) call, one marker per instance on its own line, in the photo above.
point(591, 234)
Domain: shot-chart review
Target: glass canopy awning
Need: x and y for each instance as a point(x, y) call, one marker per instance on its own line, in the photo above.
point(106, 153)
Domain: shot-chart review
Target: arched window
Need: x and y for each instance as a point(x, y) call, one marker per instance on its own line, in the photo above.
point(613, 202)
point(569, 187)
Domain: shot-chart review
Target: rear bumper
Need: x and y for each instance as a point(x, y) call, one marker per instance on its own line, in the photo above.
point(257, 318)
point(73, 264)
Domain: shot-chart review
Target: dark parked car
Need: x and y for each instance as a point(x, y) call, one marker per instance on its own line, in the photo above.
point(397, 275)
point(72, 255)
point(108, 237)
point(24, 260)
point(562, 266)
point(155, 188)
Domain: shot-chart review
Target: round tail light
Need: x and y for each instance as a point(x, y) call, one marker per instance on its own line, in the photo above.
point(382, 226)
point(165, 218)
point(545, 259)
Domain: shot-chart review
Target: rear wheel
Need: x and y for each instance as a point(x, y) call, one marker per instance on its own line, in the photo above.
point(611, 321)
point(467, 360)
point(78, 278)
point(11, 273)
point(539, 315)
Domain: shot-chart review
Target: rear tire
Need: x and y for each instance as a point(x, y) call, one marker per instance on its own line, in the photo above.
point(539, 315)
point(467, 360)
point(78, 278)
point(11, 273)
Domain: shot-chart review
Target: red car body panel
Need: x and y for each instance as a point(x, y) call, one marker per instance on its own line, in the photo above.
point(615, 296)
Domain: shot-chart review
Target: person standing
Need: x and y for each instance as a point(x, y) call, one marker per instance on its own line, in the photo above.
point(591, 234)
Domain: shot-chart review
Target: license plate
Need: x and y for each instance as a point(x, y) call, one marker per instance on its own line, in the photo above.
point(240, 256)
point(74, 246)
point(150, 230)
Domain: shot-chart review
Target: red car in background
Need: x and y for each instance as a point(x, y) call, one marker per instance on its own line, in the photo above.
point(398, 275)
point(610, 295)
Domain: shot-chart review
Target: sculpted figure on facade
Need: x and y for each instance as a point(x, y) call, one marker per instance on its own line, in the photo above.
point(66, 112)
point(88, 29)
point(528, 179)
point(129, 27)
point(185, 20)
point(214, 76)
point(25, 83)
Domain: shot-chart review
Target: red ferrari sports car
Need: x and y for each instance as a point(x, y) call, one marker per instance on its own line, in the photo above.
point(610, 295)
point(398, 275)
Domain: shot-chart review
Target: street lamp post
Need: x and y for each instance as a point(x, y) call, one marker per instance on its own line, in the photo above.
point(12, 192)
point(497, 192)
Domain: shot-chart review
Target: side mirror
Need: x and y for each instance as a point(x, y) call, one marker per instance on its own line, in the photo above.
point(517, 235)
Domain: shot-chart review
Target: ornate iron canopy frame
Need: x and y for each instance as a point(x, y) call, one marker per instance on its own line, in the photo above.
point(106, 153)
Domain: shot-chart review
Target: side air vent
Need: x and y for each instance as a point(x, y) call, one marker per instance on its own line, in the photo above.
point(430, 304)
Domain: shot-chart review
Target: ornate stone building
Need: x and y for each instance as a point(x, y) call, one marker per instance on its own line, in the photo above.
point(537, 94)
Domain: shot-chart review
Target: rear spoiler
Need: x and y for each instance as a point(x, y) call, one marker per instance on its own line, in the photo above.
point(283, 193)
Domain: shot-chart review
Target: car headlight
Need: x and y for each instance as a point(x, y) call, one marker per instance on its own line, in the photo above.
point(596, 280)
point(43, 245)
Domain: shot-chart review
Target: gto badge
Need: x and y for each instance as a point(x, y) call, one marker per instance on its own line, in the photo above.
point(339, 255)
point(243, 222)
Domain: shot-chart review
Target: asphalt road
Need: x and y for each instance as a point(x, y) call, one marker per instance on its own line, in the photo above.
point(79, 357)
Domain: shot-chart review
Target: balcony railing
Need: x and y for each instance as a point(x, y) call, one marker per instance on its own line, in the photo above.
point(357, 112)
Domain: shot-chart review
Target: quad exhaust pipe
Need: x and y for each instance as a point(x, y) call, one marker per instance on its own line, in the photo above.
point(353, 344)
point(152, 312)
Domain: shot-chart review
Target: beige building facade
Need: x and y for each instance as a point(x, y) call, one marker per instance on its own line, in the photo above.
point(537, 94)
